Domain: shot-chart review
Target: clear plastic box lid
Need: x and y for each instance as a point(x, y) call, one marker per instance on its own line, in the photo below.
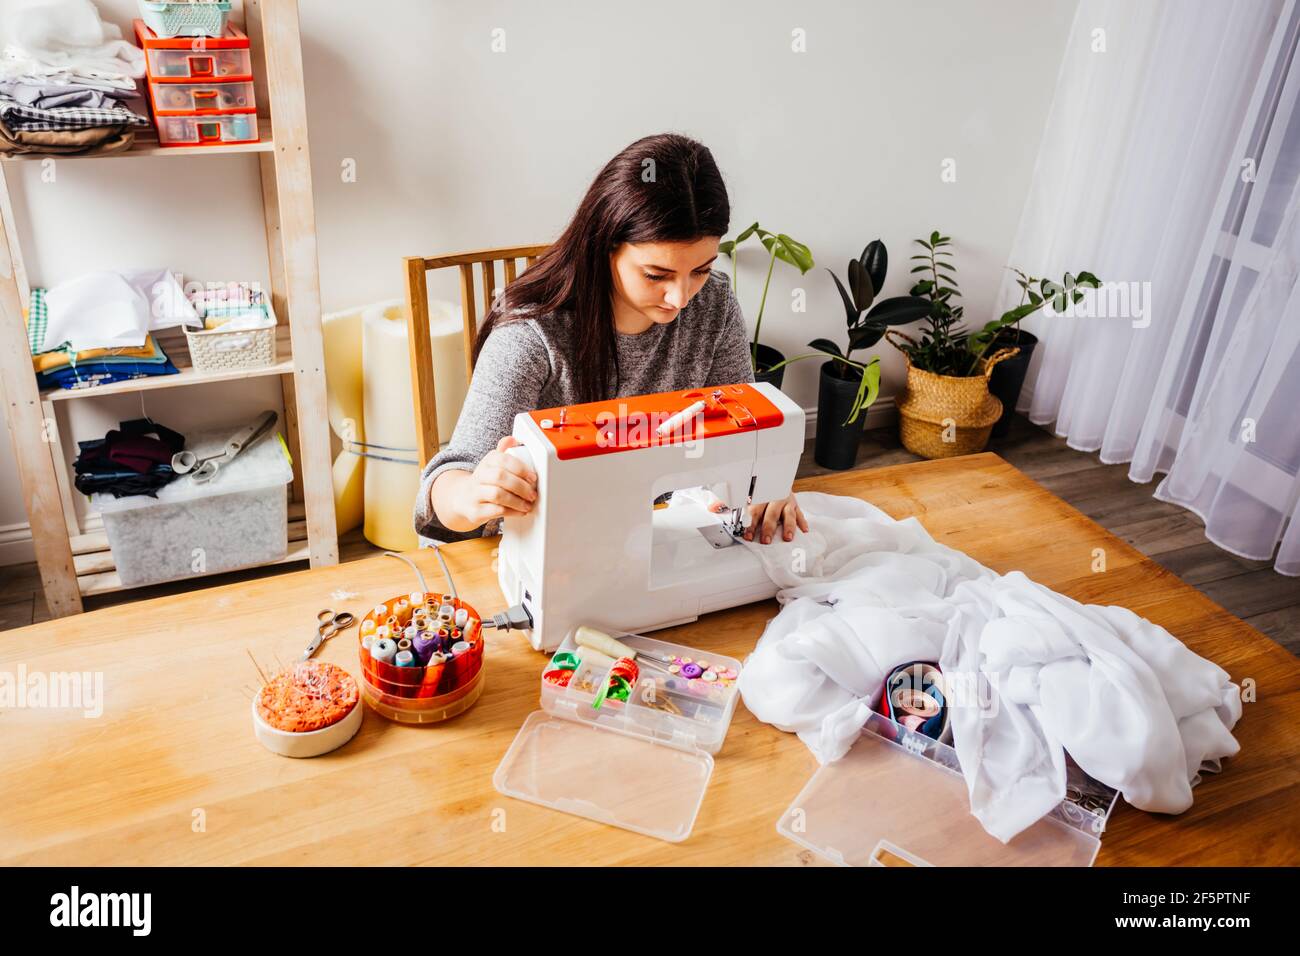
point(263, 465)
point(629, 764)
point(886, 804)
point(606, 775)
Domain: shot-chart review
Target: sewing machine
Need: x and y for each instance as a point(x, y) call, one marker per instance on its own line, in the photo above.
point(601, 548)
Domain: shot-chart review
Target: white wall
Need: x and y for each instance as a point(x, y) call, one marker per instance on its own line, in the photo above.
point(458, 147)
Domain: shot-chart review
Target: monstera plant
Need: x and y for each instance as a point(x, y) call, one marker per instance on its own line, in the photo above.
point(768, 363)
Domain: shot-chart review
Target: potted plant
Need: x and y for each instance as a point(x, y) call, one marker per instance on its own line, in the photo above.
point(1009, 377)
point(768, 363)
point(947, 408)
point(846, 387)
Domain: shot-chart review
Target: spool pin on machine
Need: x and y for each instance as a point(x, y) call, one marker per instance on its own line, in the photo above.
point(596, 549)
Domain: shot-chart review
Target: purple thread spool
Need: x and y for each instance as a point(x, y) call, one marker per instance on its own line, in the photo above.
point(425, 645)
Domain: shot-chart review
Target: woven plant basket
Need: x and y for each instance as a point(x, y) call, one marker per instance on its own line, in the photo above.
point(942, 416)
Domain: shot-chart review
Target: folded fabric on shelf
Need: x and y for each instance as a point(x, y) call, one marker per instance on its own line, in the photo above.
point(133, 459)
point(65, 37)
point(101, 139)
point(45, 94)
point(114, 309)
point(21, 118)
point(149, 353)
point(99, 373)
point(862, 593)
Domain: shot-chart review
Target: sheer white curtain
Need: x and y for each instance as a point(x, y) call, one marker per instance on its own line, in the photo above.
point(1170, 167)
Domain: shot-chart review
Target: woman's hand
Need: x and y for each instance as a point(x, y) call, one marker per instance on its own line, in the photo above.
point(764, 518)
point(500, 486)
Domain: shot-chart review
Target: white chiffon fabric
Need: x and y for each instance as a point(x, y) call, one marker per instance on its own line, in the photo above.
point(1170, 166)
point(863, 593)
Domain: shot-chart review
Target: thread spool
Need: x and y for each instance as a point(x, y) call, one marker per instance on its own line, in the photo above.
point(405, 659)
point(404, 644)
point(461, 616)
point(459, 648)
point(380, 612)
point(425, 645)
point(383, 630)
point(410, 632)
point(403, 610)
point(416, 598)
point(383, 650)
point(367, 627)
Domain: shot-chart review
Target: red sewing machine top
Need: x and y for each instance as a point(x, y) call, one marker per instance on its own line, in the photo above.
point(664, 418)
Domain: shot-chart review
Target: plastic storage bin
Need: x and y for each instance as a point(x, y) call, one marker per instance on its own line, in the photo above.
point(898, 798)
point(187, 98)
point(206, 19)
point(227, 57)
point(633, 764)
point(207, 129)
point(238, 519)
point(215, 350)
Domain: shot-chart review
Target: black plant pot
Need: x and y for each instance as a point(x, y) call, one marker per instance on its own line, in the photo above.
point(767, 357)
point(836, 445)
point(1009, 376)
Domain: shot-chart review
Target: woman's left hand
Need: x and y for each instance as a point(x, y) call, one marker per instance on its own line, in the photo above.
point(763, 520)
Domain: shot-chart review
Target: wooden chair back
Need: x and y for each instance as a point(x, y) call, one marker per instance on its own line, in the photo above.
point(417, 326)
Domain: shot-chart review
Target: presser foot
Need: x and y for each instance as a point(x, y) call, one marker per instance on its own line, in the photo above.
point(726, 533)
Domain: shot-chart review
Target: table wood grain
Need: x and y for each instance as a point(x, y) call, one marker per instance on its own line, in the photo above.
point(171, 772)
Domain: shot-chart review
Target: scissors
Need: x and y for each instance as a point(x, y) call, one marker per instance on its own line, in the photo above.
point(327, 625)
point(203, 470)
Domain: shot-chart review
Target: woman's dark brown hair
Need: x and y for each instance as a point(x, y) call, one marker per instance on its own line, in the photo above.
point(663, 188)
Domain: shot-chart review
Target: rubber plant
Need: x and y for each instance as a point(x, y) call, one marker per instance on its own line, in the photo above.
point(866, 320)
point(779, 246)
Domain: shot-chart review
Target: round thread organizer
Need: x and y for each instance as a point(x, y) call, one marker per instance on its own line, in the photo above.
point(430, 666)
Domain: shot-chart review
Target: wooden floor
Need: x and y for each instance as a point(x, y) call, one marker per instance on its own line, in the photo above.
point(1170, 535)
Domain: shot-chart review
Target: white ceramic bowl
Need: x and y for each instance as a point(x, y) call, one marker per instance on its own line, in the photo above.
point(310, 743)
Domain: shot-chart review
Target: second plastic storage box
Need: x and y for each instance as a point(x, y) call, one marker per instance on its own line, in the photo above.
point(898, 798)
point(238, 519)
point(642, 763)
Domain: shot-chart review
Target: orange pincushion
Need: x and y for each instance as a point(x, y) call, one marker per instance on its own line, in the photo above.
point(310, 695)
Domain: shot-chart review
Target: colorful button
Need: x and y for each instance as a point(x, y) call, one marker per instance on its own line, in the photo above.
point(691, 671)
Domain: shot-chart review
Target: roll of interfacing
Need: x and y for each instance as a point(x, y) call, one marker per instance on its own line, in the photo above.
point(388, 403)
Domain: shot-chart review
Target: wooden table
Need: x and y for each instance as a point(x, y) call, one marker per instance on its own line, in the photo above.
point(171, 773)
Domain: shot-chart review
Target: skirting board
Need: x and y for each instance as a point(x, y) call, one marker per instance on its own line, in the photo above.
point(16, 539)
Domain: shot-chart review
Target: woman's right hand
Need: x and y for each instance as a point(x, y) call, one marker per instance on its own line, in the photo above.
point(501, 485)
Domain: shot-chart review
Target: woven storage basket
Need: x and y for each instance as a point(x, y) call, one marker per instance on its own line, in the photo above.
point(213, 350)
point(959, 407)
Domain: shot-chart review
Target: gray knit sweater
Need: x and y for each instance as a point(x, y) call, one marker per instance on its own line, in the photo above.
point(525, 365)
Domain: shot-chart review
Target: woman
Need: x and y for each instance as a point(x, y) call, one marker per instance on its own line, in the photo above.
point(624, 303)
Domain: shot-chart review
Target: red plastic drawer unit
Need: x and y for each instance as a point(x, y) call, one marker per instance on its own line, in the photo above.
point(200, 88)
point(196, 58)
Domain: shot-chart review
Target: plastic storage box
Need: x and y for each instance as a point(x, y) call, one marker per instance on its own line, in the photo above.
point(201, 91)
point(634, 764)
point(188, 98)
point(898, 798)
point(238, 519)
point(207, 129)
point(227, 57)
